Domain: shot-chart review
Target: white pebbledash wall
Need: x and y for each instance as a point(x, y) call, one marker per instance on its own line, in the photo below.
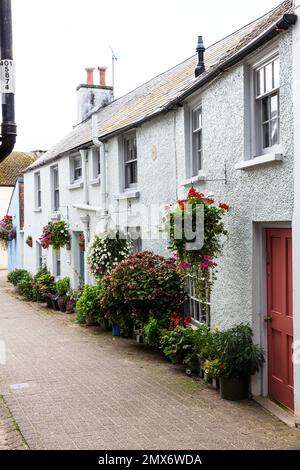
point(257, 197)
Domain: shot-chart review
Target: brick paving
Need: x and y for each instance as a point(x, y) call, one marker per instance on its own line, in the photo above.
point(10, 437)
point(72, 387)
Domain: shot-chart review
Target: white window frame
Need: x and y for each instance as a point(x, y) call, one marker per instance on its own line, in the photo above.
point(194, 167)
point(39, 256)
point(76, 166)
point(37, 190)
point(256, 148)
point(129, 136)
point(55, 190)
point(57, 264)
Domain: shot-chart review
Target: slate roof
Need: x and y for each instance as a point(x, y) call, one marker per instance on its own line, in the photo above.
point(13, 166)
point(158, 94)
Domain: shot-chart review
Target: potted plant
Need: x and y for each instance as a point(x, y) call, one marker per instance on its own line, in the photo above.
point(29, 241)
point(239, 358)
point(55, 234)
point(6, 227)
point(62, 288)
point(72, 300)
point(46, 286)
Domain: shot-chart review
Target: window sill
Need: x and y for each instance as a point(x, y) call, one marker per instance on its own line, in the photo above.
point(37, 210)
point(78, 185)
point(128, 195)
point(95, 181)
point(259, 161)
point(194, 179)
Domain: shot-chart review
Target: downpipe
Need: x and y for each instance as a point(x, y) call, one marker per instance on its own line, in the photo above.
point(8, 126)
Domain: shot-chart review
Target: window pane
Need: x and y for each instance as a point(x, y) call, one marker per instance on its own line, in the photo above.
point(265, 109)
point(269, 77)
point(266, 136)
point(274, 132)
point(260, 82)
point(197, 119)
point(276, 73)
point(274, 106)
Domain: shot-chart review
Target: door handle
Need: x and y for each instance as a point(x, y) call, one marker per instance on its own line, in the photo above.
point(268, 319)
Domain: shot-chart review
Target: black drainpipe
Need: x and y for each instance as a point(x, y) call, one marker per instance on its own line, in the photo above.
point(8, 127)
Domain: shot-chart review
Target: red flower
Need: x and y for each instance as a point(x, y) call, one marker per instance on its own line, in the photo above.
point(224, 206)
point(193, 193)
point(221, 366)
point(210, 201)
point(33, 284)
point(181, 204)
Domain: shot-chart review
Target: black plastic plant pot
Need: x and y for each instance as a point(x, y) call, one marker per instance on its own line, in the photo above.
point(62, 303)
point(235, 388)
point(55, 305)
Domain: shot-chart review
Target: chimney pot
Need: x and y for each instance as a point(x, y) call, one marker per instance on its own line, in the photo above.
point(90, 75)
point(102, 75)
point(200, 50)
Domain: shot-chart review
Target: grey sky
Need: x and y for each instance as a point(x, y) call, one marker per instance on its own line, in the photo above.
point(55, 40)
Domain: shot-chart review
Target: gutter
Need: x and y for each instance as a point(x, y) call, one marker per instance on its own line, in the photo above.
point(280, 26)
point(8, 126)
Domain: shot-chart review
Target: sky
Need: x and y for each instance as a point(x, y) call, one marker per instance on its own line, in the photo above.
point(54, 40)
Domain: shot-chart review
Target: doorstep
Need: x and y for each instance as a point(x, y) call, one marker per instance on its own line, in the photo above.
point(284, 415)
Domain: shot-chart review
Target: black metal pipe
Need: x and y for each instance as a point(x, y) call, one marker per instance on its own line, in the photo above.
point(283, 24)
point(8, 126)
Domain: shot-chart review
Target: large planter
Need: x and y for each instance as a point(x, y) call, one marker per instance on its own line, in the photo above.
point(234, 389)
point(54, 304)
point(70, 306)
point(62, 304)
point(48, 301)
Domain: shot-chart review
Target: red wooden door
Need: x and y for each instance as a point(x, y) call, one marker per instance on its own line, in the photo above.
point(280, 316)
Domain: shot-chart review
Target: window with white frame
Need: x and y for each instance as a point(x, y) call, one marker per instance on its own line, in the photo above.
point(55, 188)
point(96, 164)
point(130, 161)
point(56, 264)
point(76, 169)
point(37, 190)
point(267, 104)
point(40, 260)
point(196, 138)
point(200, 313)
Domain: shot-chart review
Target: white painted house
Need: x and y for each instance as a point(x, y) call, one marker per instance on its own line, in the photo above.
point(229, 131)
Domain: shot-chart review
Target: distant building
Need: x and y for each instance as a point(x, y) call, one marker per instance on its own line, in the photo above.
point(10, 169)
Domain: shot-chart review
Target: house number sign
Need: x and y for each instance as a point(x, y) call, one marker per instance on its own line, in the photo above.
point(7, 76)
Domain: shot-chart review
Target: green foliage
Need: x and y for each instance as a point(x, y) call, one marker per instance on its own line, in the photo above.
point(63, 286)
point(177, 344)
point(88, 306)
point(15, 276)
point(153, 332)
point(44, 283)
point(25, 286)
point(213, 369)
point(237, 352)
point(143, 285)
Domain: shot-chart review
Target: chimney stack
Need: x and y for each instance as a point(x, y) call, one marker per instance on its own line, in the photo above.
point(92, 97)
point(102, 75)
point(90, 75)
point(200, 50)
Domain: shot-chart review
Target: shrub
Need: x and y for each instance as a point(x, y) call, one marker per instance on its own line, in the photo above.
point(25, 286)
point(15, 276)
point(44, 283)
point(176, 344)
point(63, 286)
point(106, 251)
point(153, 332)
point(88, 306)
point(237, 352)
point(143, 285)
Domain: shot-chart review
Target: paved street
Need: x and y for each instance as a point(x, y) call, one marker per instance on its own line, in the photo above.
point(70, 387)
